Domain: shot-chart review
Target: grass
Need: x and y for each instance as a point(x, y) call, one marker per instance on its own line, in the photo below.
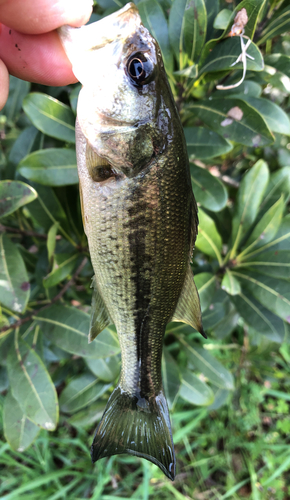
point(239, 451)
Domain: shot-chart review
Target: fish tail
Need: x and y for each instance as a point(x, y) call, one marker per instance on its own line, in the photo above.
point(136, 425)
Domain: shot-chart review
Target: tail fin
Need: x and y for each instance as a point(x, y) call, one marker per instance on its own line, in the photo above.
point(138, 426)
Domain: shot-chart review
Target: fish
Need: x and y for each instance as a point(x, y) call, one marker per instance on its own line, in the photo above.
point(140, 218)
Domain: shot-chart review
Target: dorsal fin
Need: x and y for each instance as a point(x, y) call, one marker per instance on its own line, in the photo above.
point(188, 306)
point(100, 317)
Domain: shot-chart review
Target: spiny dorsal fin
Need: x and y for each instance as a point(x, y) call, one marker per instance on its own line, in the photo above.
point(100, 317)
point(188, 306)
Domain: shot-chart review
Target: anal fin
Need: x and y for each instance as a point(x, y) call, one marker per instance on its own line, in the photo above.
point(188, 305)
point(100, 317)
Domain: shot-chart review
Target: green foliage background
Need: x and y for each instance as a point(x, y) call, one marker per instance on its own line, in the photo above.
point(229, 395)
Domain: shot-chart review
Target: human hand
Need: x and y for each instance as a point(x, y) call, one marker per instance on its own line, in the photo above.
point(29, 45)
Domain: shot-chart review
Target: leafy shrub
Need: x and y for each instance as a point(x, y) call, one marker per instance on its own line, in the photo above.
point(238, 146)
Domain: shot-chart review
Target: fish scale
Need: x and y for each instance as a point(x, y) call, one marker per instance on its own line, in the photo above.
point(140, 218)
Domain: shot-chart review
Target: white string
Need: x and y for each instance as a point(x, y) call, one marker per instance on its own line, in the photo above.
point(242, 57)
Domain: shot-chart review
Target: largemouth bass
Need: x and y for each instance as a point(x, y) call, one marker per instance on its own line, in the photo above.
point(140, 217)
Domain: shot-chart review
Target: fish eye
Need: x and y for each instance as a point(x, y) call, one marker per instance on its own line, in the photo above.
point(140, 68)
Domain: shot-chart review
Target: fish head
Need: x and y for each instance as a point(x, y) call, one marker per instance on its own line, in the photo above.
point(120, 108)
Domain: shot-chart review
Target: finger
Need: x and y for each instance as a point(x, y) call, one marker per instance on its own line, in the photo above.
point(35, 58)
point(41, 16)
point(4, 84)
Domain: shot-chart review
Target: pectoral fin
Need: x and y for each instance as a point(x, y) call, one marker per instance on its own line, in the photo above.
point(100, 317)
point(188, 306)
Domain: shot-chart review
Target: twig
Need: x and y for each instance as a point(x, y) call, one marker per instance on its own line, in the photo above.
point(56, 298)
point(23, 232)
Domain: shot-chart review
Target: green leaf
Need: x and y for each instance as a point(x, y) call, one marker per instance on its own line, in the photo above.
point(253, 9)
point(220, 398)
point(51, 167)
point(279, 184)
point(61, 270)
point(266, 229)
point(14, 282)
point(187, 28)
point(208, 239)
point(106, 369)
point(32, 386)
point(81, 392)
point(205, 363)
point(235, 120)
point(247, 87)
point(19, 431)
point(204, 143)
point(280, 242)
point(224, 327)
point(273, 293)
point(17, 91)
point(50, 116)
point(250, 196)
point(279, 61)
point(206, 285)
point(230, 284)
point(208, 190)
point(274, 263)
point(73, 97)
point(259, 317)
point(13, 195)
point(154, 20)
point(89, 416)
point(212, 9)
point(194, 390)
point(279, 23)
point(24, 143)
point(51, 240)
point(46, 209)
point(225, 53)
point(68, 328)
point(276, 119)
point(222, 19)
point(170, 378)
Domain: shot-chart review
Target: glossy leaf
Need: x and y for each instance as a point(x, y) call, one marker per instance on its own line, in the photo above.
point(279, 61)
point(187, 27)
point(13, 195)
point(170, 378)
point(208, 239)
point(208, 190)
point(154, 20)
point(273, 293)
point(253, 9)
point(89, 416)
point(73, 97)
point(259, 317)
point(279, 183)
point(220, 398)
point(246, 88)
point(51, 240)
point(250, 195)
point(222, 19)
point(81, 392)
point(274, 263)
point(24, 143)
point(204, 143)
point(279, 23)
point(50, 116)
point(17, 91)
point(194, 390)
point(106, 369)
point(212, 9)
point(51, 167)
point(46, 209)
point(230, 284)
point(32, 386)
point(206, 285)
point(266, 229)
point(216, 312)
point(19, 431)
point(209, 366)
point(249, 128)
point(225, 327)
point(68, 328)
point(61, 271)
point(276, 119)
point(281, 240)
point(14, 282)
point(225, 53)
